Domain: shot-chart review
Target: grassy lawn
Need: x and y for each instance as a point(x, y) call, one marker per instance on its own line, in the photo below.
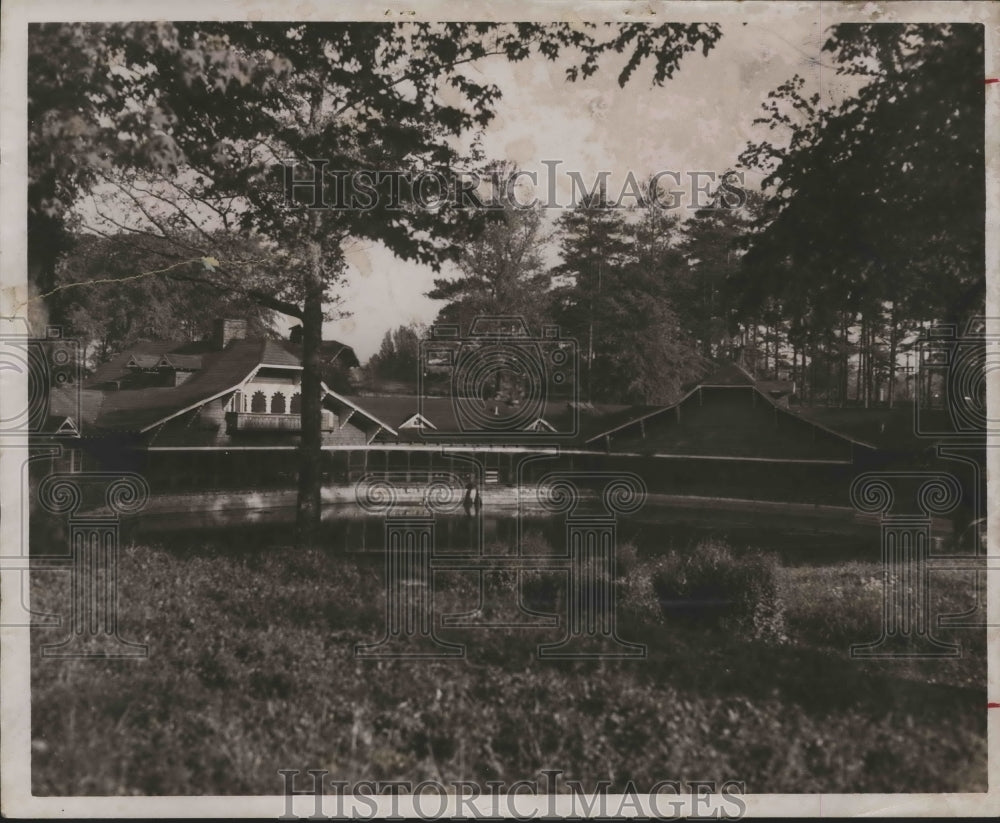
point(251, 670)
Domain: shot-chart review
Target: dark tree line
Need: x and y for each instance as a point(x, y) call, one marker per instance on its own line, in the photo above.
point(639, 291)
point(874, 220)
point(869, 228)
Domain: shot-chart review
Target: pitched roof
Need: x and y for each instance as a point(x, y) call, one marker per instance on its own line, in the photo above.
point(183, 361)
point(144, 361)
point(776, 387)
point(729, 375)
point(117, 367)
point(397, 409)
point(138, 409)
point(278, 353)
point(70, 401)
point(215, 374)
point(597, 418)
point(891, 429)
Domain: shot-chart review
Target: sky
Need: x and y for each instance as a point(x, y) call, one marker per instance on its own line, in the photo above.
point(698, 121)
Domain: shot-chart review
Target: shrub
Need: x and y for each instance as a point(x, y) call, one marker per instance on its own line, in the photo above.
point(842, 606)
point(534, 543)
point(541, 590)
point(835, 606)
point(223, 702)
point(712, 586)
point(626, 559)
point(637, 604)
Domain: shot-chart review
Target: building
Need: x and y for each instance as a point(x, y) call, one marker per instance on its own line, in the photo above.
point(225, 414)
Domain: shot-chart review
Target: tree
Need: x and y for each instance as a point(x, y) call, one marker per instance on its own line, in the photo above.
point(879, 197)
point(108, 307)
point(398, 358)
point(709, 289)
point(617, 301)
point(502, 271)
point(207, 111)
point(70, 72)
point(593, 245)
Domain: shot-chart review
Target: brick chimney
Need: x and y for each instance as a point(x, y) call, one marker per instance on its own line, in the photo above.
point(226, 331)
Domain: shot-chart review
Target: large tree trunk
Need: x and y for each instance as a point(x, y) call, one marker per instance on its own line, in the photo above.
point(310, 458)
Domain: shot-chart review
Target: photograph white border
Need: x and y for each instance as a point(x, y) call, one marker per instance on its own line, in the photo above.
point(15, 740)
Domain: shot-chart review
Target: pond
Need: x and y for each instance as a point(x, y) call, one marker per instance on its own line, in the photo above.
point(798, 539)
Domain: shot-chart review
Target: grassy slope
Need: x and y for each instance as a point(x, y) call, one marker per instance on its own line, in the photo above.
point(251, 670)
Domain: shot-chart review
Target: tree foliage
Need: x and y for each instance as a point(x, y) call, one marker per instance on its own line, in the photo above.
point(886, 189)
point(614, 297)
point(206, 111)
point(111, 302)
point(502, 272)
point(876, 216)
point(398, 357)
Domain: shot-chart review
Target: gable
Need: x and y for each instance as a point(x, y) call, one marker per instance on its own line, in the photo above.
point(541, 424)
point(68, 427)
point(416, 421)
point(124, 364)
point(727, 420)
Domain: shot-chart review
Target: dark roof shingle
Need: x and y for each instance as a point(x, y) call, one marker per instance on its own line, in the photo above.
point(137, 409)
point(150, 352)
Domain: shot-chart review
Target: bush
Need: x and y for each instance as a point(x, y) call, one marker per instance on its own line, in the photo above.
point(533, 543)
point(637, 604)
point(626, 559)
point(712, 586)
point(541, 591)
point(842, 606)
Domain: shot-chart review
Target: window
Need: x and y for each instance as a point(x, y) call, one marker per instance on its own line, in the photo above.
point(278, 404)
point(295, 404)
point(259, 402)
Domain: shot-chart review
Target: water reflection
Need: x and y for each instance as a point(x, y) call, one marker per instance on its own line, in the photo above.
point(346, 529)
